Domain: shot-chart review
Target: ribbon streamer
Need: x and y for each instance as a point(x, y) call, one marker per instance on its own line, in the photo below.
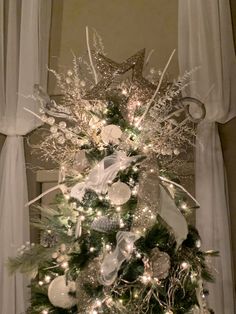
point(170, 213)
point(112, 262)
point(148, 196)
point(103, 173)
point(153, 200)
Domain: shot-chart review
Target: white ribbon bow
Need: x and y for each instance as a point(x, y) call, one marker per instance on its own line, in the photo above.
point(103, 173)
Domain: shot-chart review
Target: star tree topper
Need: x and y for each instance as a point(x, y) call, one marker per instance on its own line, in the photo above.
point(141, 89)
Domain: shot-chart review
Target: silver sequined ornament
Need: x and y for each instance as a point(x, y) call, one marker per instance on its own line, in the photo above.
point(105, 224)
point(160, 264)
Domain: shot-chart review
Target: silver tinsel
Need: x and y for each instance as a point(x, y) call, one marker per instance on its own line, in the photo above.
point(105, 224)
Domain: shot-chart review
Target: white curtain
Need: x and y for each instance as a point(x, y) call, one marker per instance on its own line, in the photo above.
point(24, 37)
point(206, 40)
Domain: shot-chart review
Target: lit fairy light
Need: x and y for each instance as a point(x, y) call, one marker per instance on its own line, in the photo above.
point(136, 295)
point(198, 243)
point(193, 276)
point(82, 218)
point(67, 196)
point(129, 248)
point(65, 265)
point(108, 247)
point(98, 303)
point(146, 279)
point(184, 265)
point(122, 223)
point(47, 279)
point(184, 206)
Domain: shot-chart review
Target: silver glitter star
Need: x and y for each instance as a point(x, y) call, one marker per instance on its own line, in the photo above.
point(141, 88)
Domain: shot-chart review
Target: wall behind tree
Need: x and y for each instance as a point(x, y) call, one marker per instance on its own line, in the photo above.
point(125, 26)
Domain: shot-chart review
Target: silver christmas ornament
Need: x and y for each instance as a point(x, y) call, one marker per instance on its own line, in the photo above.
point(105, 224)
point(111, 134)
point(160, 264)
point(59, 292)
point(119, 193)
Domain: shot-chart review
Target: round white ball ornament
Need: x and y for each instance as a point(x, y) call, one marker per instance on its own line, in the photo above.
point(58, 292)
point(119, 193)
point(111, 134)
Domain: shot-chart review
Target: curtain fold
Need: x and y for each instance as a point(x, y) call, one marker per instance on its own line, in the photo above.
point(24, 40)
point(206, 41)
point(14, 222)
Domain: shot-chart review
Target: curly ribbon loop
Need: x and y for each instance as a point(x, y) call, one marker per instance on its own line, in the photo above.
point(104, 172)
point(186, 102)
point(112, 262)
point(48, 104)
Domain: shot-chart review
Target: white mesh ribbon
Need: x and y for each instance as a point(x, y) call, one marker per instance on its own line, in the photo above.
point(104, 172)
point(112, 262)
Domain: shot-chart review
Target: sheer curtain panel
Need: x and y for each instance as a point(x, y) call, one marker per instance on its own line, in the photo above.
point(206, 41)
point(24, 37)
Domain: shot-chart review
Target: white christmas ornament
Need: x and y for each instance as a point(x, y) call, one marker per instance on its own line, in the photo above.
point(119, 193)
point(111, 134)
point(58, 292)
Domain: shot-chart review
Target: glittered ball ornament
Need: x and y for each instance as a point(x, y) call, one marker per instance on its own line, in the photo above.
point(111, 134)
point(59, 292)
point(119, 193)
point(160, 263)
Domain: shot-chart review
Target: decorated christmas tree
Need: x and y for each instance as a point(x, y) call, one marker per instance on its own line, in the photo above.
point(118, 238)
